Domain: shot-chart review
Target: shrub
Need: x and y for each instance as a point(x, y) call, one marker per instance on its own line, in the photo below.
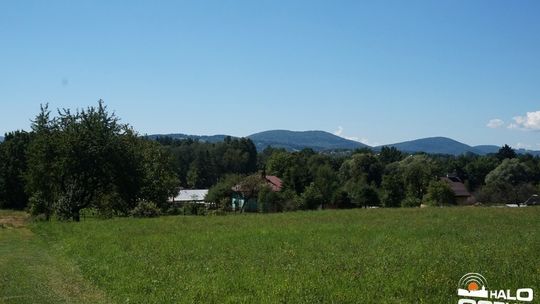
point(269, 201)
point(194, 209)
point(62, 208)
point(175, 210)
point(311, 198)
point(439, 194)
point(505, 193)
point(146, 209)
point(291, 201)
point(39, 206)
point(40, 218)
point(411, 201)
point(224, 204)
point(342, 200)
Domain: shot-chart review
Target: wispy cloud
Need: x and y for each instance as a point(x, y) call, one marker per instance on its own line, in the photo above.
point(339, 132)
point(530, 121)
point(523, 146)
point(366, 141)
point(495, 123)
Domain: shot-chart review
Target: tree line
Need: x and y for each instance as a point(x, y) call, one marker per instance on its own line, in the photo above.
point(82, 159)
point(88, 159)
point(390, 178)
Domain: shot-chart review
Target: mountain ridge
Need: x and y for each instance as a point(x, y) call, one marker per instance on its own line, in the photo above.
point(298, 140)
point(322, 140)
point(434, 145)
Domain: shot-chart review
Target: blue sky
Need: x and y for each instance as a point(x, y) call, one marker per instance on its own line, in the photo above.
point(377, 71)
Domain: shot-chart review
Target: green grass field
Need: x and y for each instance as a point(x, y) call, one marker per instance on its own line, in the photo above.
point(346, 256)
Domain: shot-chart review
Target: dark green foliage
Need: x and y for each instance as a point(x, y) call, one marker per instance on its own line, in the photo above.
point(510, 171)
point(417, 172)
point(290, 200)
point(342, 200)
point(477, 169)
point(158, 179)
point(389, 155)
point(83, 159)
point(312, 198)
point(13, 167)
point(505, 193)
point(393, 190)
point(88, 159)
point(364, 195)
point(439, 193)
point(292, 168)
point(194, 209)
point(43, 174)
point(262, 157)
point(39, 205)
point(201, 164)
point(146, 209)
point(221, 193)
point(411, 201)
point(326, 180)
point(269, 201)
point(362, 166)
point(506, 152)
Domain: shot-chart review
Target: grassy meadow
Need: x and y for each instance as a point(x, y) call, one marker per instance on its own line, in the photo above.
point(341, 256)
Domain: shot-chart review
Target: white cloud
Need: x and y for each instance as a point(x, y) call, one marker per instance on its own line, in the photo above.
point(495, 123)
point(513, 126)
point(531, 121)
point(523, 146)
point(365, 141)
point(339, 132)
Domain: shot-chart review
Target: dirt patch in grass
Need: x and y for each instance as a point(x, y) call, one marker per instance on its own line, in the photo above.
point(13, 220)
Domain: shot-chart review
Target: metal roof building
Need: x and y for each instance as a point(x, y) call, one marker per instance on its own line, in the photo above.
point(190, 196)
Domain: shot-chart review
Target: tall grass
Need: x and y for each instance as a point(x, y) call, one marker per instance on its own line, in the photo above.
point(348, 256)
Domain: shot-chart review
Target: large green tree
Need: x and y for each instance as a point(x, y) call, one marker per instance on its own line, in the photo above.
point(13, 167)
point(393, 190)
point(417, 172)
point(87, 158)
point(439, 193)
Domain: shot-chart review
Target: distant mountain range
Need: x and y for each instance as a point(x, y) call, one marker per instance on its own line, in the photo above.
point(321, 141)
point(324, 141)
point(290, 140)
point(205, 138)
point(298, 140)
point(444, 145)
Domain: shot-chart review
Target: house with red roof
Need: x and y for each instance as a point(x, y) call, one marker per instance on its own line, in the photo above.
point(245, 193)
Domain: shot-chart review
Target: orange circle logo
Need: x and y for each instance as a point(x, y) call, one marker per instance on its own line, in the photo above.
point(472, 286)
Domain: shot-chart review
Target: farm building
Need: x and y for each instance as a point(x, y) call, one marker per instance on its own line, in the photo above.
point(196, 196)
point(244, 197)
point(462, 195)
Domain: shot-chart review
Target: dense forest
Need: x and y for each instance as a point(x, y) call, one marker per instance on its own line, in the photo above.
point(89, 160)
